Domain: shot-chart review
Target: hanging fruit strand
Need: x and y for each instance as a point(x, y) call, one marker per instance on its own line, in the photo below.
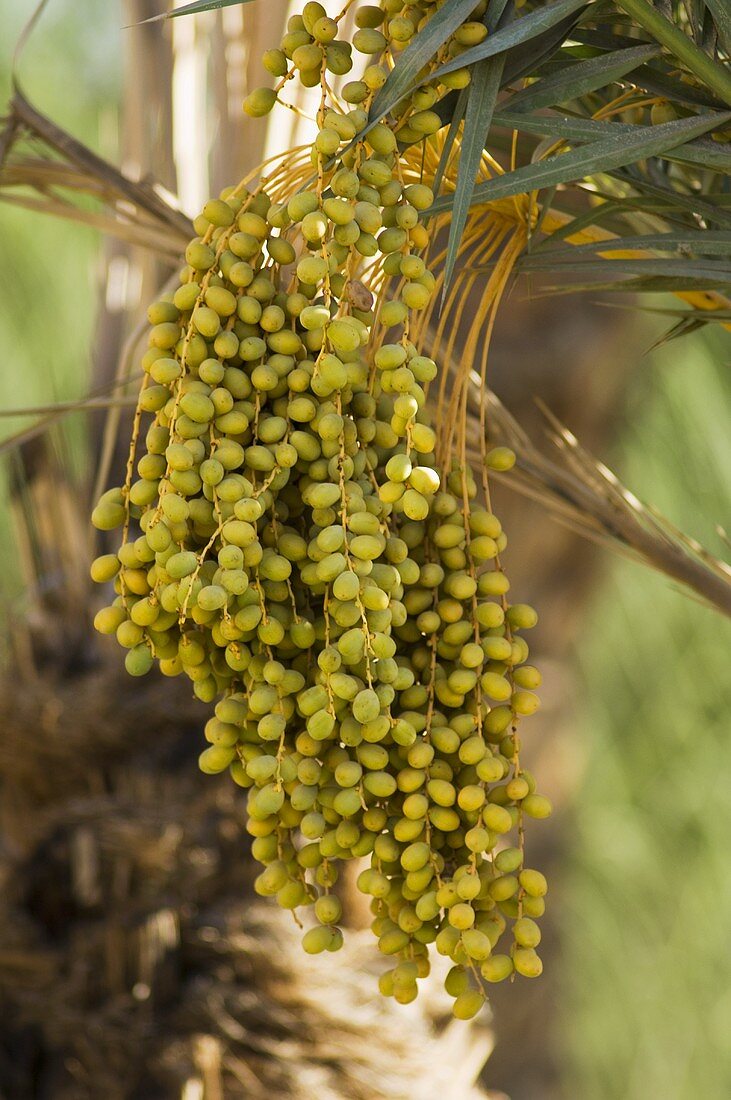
point(312, 552)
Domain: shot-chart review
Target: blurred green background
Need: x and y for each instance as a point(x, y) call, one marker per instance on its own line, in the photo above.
point(647, 969)
point(644, 983)
point(50, 269)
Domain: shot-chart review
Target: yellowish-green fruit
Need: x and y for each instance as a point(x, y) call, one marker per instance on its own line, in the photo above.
point(497, 968)
point(260, 102)
point(527, 962)
point(297, 542)
point(104, 568)
point(533, 882)
point(468, 1004)
point(526, 932)
point(536, 805)
point(108, 514)
point(109, 619)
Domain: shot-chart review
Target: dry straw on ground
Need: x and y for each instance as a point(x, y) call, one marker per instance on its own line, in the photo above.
point(135, 962)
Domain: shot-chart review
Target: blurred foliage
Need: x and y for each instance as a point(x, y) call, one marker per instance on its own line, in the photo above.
point(648, 1012)
point(48, 285)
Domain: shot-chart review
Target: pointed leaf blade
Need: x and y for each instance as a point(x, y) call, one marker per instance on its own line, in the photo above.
point(650, 284)
point(483, 92)
point(457, 117)
point(717, 274)
point(662, 200)
point(480, 97)
point(707, 242)
point(526, 57)
point(191, 9)
point(404, 76)
point(684, 327)
point(580, 79)
point(614, 151)
point(520, 60)
point(710, 154)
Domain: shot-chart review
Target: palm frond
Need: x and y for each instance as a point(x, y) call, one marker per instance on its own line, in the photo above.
point(44, 169)
point(605, 94)
point(583, 494)
point(196, 8)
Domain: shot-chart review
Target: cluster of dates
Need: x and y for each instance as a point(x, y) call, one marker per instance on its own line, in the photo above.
point(291, 544)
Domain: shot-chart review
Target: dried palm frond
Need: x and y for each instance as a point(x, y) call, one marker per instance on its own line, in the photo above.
point(137, 963)
point(582, 493)
point(45, 169)
point(101, 399)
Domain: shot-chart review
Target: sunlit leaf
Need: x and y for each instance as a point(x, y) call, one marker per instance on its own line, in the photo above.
point(718, 274)
point(599, 156)
point(707, 153)
point(707, 242)
point(192, 9)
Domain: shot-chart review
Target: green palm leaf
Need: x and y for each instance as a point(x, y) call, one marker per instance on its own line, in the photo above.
point(192, 9)
point(579, 79)
point(482, 95)
point(611, 152)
